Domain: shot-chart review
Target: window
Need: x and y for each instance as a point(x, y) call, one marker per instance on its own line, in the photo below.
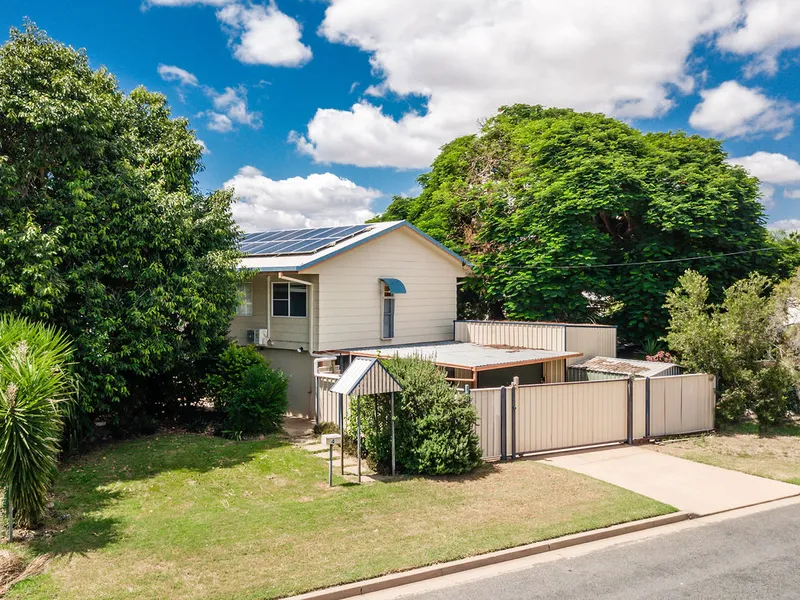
point(388, 314)
point(245, 291)
point(289, 300)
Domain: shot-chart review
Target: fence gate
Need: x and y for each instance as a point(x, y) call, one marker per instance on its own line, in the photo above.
point(539, 418)
point(566, 415)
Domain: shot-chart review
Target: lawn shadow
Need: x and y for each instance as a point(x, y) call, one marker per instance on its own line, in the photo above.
point(487, 469)
point(750, 428)
point(89, 482)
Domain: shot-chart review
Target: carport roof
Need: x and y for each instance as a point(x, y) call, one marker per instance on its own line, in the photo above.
point(466, 355)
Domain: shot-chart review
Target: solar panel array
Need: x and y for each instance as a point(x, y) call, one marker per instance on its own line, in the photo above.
point(297, 241)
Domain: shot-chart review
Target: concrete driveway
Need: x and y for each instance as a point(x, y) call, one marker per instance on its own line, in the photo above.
point(686, 485)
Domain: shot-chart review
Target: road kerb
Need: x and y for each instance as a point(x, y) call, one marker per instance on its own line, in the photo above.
point(482, 560)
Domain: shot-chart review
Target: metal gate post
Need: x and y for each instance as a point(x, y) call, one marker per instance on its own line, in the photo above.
point(503, 424)
point(647, 407)
point(514, 417)
point(630, 410)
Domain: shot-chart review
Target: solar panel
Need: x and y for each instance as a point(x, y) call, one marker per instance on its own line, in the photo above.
point(297, 241)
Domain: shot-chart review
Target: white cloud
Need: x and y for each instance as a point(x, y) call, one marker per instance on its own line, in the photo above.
point(203, 146)
point(468, 57)
point(319, 200)
point(786, 225)
point(768, 27)
point(233, 104)
point(770, 167)
point(173, 73)
point(733, 110)
point(767, 195)
point(218, 122)
point(263, 35)
point(793, 194)
point(230, 106)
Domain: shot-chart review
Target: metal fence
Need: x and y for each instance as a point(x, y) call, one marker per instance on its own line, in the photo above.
point(538, 418)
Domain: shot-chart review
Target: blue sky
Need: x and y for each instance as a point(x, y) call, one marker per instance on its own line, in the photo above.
point(317, 112)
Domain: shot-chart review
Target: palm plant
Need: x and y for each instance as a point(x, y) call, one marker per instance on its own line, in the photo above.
point(652, 346)
point(35, 393)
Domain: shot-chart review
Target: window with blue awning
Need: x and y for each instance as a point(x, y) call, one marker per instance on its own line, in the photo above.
point(395, 285)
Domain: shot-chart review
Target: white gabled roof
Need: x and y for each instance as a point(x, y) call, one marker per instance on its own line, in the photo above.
point(300, 262)
point(365, 377)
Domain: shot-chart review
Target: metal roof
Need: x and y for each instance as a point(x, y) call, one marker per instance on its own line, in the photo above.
point(279, 260)
point(467, 355)
point(364, 377)
point(624, 366)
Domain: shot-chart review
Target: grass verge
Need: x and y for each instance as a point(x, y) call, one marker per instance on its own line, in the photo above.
point(773, 453)
point(188, 516)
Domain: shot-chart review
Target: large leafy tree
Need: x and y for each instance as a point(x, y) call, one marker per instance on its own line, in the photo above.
point(103, 230)
point(542, 197)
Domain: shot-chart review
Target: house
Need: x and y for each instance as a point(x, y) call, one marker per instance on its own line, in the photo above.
point(317, 291)
point(322, 296)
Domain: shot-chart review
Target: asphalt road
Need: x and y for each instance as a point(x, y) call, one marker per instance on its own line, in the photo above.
point(754, 557)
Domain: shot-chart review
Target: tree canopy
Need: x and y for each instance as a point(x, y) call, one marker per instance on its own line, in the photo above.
point(103, 230)
point(542, 197)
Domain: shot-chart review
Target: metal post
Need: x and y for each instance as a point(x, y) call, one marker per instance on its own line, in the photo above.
point(330, 464)
point(647, 407)
point(316, 398)
point(503, 424)
point(341, 428)
point(358, 434)
point(466, 389)
point(630, 410)
point(513, 420)
point(393, 464)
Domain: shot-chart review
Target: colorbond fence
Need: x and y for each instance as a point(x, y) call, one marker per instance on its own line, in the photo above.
point(538, 418)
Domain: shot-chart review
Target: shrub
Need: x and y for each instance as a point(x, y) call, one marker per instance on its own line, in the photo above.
point(248, 391)
point(35, 389)
point(744, 340)
point(434, 423)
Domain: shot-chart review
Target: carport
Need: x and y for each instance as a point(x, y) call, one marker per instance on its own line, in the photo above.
point(479, 365)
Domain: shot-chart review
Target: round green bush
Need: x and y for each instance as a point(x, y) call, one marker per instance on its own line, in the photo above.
point(250, 393)
point(434, 423)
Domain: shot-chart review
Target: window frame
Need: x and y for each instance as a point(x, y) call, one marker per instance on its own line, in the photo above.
point(244, 290)
point(388, 296)
point(291, 286)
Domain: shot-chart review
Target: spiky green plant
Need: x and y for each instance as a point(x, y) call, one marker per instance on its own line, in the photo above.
point(35, 393)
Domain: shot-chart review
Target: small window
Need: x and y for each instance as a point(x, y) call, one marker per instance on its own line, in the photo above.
point(245, 291)
point(388, 314)
point(289, 300)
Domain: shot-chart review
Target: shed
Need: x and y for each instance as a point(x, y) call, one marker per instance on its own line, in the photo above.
point(364, 377)
point(606, 367)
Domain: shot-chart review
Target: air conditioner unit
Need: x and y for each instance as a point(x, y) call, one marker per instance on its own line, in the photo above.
point(258, 337)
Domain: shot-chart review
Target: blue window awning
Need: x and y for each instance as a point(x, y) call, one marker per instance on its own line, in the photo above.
point(395, 285)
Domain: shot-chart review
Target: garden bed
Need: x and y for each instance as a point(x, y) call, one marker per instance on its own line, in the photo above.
point(190, 516)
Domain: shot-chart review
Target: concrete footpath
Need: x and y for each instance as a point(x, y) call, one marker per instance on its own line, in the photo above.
point(688, 486)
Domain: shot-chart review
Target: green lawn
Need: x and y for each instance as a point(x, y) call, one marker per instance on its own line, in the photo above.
point(188, 516)
point(773, 453)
